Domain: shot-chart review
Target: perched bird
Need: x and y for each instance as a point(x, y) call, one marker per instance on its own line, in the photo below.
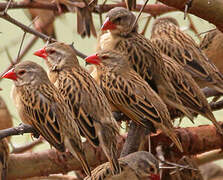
point(5, 116)
point(140, 165)
point(188, 91)
point(167, 36)
point(85, 24)
point(130, 94)
point(44, 22)
point(141, 54)
point(4, 156)
point(212, 46)
point(40, 104)
point(84, 97)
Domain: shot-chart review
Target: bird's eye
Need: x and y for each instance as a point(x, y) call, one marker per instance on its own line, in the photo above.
point(104, 57)
point(152, 169)
point(118, 19)
point(21, 72)
point(51, 51)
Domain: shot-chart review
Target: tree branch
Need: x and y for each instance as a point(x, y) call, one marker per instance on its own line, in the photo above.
point(19, 130)
point(211, 11)
point(195, 140)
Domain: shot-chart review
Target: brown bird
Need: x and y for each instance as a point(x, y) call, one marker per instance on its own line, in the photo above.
point(212, 46)
point(5, 116)
point(141, 54)
point(4, 156)
point(84, 97)
point(130, 94)
point(40, 104)
point(44, 22)
point(167, 36)
point(85, 24)
point(189, 92)
point(140, 165)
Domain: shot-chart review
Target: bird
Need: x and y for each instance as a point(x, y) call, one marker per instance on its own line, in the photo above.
point(5, 116)
point(84, 97)
point(145, 59)
point(189, 92)
point(45, 19)
point(40, 105)
point(212, 47)
point(139, 165)
point(168, 37)
point(129, 93)
point(4, 157)
point(85, 24)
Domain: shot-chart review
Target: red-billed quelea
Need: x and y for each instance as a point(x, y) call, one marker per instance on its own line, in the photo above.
point(40, 104)
point(84, 97)
point(168, 37)
point(129, 93)
point(212, 46)
point(145, 59)
point(140, 165)
point(188, 91)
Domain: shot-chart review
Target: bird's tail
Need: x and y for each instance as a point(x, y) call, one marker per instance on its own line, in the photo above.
point(78, 153)
point(107, 138)
point(209, 115)
point(172, 135)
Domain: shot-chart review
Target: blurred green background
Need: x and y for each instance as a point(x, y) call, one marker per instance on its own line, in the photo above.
point(65, 27)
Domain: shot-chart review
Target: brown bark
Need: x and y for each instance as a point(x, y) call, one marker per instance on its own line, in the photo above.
point(209, 10)
point(194, 140)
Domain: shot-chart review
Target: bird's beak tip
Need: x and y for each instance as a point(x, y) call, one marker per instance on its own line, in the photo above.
point(10, 75)
point(108, 25)
point(93, 59)
point(41, 53)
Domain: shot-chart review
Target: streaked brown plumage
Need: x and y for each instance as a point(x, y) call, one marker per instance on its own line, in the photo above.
point(4, 156)
point(129, 93)
point(85, 98)
point(212, 46)
point(167, 36)
point(140, 165)
point(85, 24)
point(141, 53)
point(188, 91)
point(41, 105)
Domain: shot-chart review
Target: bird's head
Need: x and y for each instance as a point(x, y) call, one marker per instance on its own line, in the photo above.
point(119, 21)
point(109, 60)
point(26, 73)
point(58, 56)
point(144, 164)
